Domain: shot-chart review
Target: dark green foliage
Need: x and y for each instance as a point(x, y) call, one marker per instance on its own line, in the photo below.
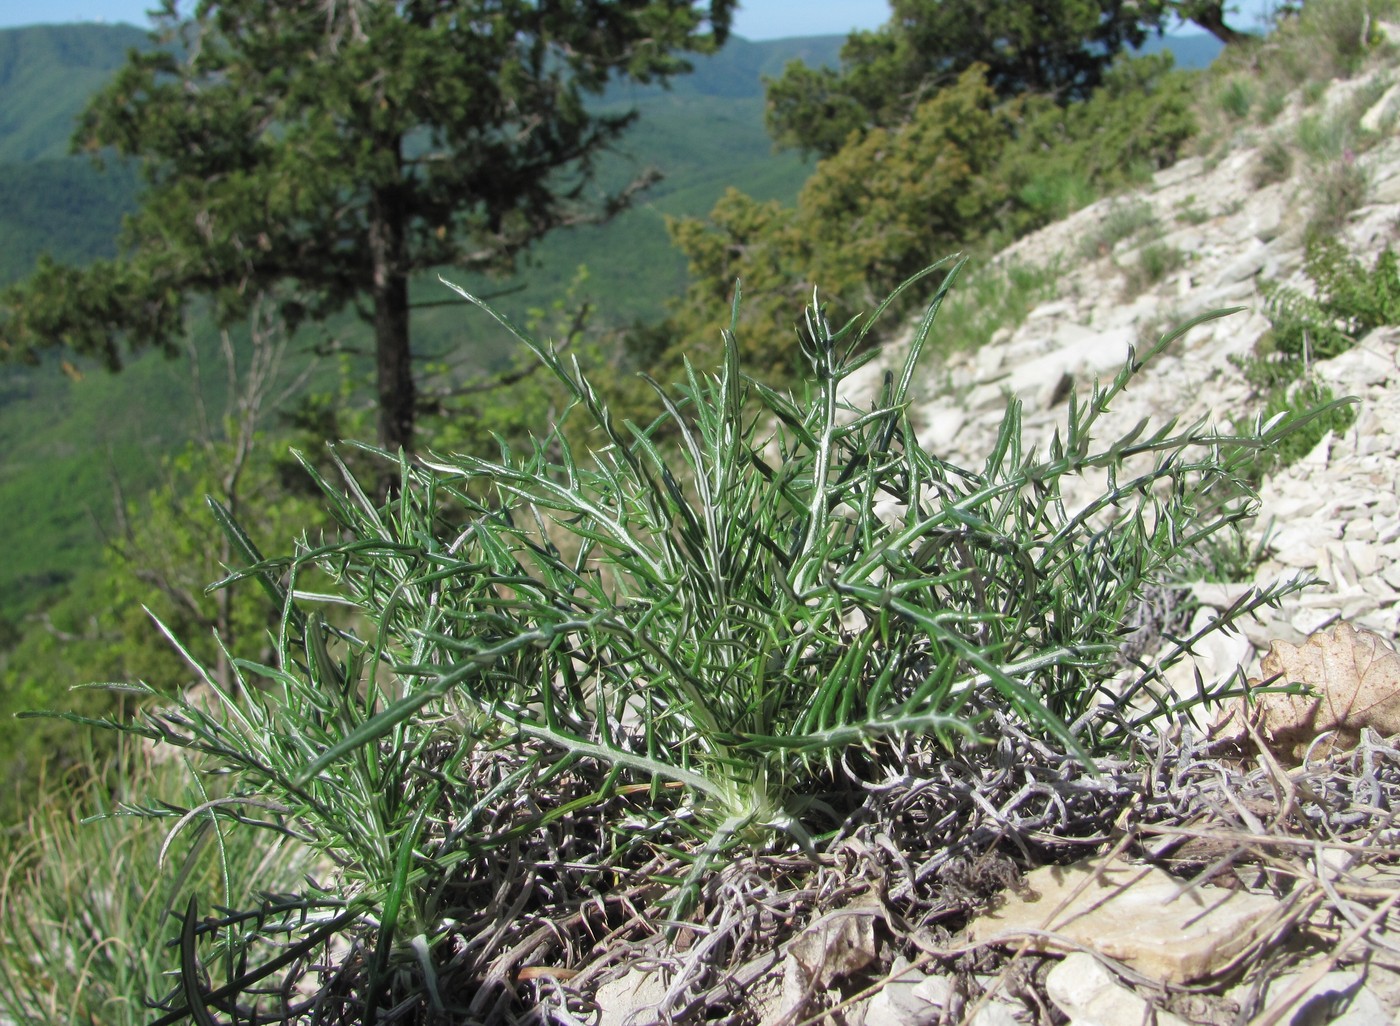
point(965, 168)
point(1134, 125)
point(1350, 300)
point(1059, 48)
point(761, 244)
point(98, 628)
point(326, 154)
point(63, 207)
point(1361, 299)
point(1304, 405)
point(55, 490)
point(639, 660)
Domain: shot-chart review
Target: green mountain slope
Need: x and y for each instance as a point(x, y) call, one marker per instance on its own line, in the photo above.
point(47, 74)
point(63, 206)
point(66, 441)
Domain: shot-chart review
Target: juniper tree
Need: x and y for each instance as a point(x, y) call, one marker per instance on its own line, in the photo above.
point(330, 149)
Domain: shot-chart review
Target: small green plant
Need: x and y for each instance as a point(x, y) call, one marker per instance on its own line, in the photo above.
point(1296, 402)
point(1323, 138)
point(618, 655)
point(1273, 164)
point(1155, 261)
point(1192, 215)
point(1051, 197)
point(1122, 221)
point(1306, 400)
point(1339, 189)
point(1273, 104)
point(1237, 97)
point(1349, 300)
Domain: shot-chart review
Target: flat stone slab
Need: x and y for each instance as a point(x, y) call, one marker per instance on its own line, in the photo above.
point(1135, 914)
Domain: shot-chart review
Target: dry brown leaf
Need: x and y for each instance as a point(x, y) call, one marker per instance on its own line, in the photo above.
point(1354, 677)
point(838, 944)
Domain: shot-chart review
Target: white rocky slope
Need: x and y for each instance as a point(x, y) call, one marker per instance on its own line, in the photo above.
point(1334, 514)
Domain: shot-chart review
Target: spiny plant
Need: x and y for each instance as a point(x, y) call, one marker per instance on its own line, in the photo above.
point(622, 654)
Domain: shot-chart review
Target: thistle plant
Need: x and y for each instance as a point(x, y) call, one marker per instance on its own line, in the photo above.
point(628, 650)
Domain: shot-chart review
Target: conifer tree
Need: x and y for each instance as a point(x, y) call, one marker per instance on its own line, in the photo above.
point(1056, 48)
point(329, 149)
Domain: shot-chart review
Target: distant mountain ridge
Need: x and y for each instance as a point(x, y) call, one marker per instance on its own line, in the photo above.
point(47, 75)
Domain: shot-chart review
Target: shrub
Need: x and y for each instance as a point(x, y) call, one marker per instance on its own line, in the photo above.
point(1236, 97)
point(1274, 163)
point(1053, 195)
point(1155, 261)
point(634, 659)
point(1323, 137)
point(873, 212)
point(1274, 103)
point(964, 169)
point(1338, 190)
point(1349, 301)
point(1133, 125)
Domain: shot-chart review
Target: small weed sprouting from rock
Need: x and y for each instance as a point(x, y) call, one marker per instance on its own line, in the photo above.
point(1237, 97)
point(1155, 261)
point(1273, 164)
point(1122, 221)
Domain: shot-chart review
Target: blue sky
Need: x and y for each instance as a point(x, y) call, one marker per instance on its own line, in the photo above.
point(757, 19)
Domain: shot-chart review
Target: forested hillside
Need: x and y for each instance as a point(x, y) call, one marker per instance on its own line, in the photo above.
point(67, 445)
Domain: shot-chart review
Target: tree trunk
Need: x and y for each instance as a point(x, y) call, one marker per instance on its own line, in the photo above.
point(1211, 17)
point(389, 293)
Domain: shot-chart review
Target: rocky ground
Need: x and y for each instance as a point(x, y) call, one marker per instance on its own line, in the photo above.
point(1133, 932)
point(1335, 514)
point(1256, 884)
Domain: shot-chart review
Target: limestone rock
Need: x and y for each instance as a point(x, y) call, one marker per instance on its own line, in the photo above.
point(908, 1000)
point(1090, 995)
point(626, 1001)
point(1135, 914)
point(1338, 998)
